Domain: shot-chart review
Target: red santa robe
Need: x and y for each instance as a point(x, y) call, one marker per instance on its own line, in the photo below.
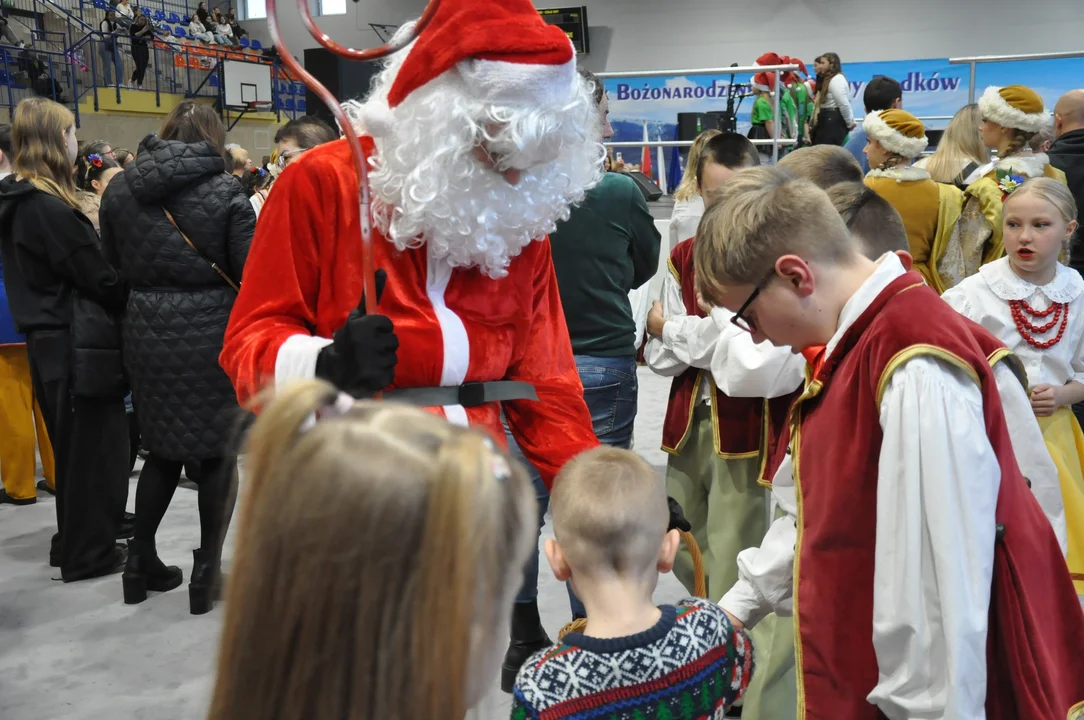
point(304, 277)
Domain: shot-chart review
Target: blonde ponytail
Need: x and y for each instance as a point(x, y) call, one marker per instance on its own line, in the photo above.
point(375, 550)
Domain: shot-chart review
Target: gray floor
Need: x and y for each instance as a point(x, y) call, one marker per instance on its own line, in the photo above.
point(76, 651)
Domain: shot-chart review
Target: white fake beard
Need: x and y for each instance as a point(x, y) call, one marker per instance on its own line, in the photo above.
point(429, 189)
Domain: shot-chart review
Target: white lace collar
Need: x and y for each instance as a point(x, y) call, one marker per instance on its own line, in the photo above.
point(1066, 286)
point(1027, 163)
point(910, 173)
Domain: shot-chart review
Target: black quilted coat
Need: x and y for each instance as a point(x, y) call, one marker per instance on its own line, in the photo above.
point(178, 306)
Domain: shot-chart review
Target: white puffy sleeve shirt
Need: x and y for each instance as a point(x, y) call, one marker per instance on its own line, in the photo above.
point(934, 546)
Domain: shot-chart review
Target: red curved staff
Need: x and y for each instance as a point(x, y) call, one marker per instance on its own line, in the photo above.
point(334, 106)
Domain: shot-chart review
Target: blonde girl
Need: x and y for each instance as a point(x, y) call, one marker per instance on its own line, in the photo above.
point(1035, 305)
point(929, 210)
point(62, 292)
point(961, 150)
point(380, 587)
point(688, 204)
point(1011, 117)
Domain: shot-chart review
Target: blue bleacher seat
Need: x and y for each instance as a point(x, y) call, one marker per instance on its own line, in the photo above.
point(244, 41)
point(102, 5)
point(179, 32)
point(174, 17)
point(257, 45)
point(186, 20)
point(288, 104)
point(301, 105)
point(159, 15)
point(213, 80)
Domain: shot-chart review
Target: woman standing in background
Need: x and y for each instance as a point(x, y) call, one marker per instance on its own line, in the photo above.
point(960, 151)
point(57, 281)
point(833, 117)
point(168, 223)
point(141, 33)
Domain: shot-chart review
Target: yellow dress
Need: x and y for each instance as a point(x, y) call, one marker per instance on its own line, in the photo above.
point(1065, 441)
point(929, 210)
point(980, 222)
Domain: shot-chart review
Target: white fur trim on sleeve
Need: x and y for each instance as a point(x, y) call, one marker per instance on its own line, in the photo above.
point(891, 140)
point(518, 84)
point(296, 359)
point(993, 107)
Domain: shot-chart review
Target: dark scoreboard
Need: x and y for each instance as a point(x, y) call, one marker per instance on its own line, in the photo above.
point(573, 21)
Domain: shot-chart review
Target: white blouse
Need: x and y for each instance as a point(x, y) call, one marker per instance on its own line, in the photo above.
point(685, 220)
point(985, 297)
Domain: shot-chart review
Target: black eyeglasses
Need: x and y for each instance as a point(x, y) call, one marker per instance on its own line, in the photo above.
point(739, 318)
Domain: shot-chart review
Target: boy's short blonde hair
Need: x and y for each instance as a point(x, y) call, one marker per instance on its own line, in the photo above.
point(874, 223)
point(763, 214)
point(823, 165)
point(609, 512)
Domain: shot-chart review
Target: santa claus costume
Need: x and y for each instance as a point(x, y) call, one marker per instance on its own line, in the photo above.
point(479, 134)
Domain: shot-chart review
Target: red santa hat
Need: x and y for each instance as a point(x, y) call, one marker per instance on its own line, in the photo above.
point(763, 81)
point(770, 58)
point(506, 53)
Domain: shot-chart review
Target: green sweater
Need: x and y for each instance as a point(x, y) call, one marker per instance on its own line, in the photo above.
point(608, 247)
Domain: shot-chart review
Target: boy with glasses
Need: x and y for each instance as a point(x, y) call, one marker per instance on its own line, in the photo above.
point(923, 577)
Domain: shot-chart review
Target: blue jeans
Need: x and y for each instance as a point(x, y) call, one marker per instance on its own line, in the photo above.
point(609, 389)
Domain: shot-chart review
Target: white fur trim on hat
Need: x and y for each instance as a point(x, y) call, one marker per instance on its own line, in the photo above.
point(518, 84)
point(760, 86)
point(892, 140)
point(994, 107)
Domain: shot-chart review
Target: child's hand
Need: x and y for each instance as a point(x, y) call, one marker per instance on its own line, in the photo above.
point(1044, 400)
point(704, 305)
point(655, 320)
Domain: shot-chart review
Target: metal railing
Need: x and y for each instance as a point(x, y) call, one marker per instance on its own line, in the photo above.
point(983, 59)
point(775, 141)
point(36, 72)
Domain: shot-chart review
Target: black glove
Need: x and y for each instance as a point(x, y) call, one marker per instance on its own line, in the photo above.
point(361, 360)
point(677, 517)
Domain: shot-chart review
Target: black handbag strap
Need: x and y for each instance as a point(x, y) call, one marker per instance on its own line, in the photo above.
point(214, 266)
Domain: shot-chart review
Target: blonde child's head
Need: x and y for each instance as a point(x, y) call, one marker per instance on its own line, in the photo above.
point(1040, 220)
point(688, 189)
point(379, 549)
point(822, 165)
point(609, 520)
point(769, 249)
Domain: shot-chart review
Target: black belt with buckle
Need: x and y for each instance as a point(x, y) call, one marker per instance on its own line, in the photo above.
point(468, 395)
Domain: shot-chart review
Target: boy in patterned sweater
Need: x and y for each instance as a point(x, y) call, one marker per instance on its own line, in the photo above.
point(634, 661)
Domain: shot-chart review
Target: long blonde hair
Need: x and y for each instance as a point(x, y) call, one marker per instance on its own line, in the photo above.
point(41, 154)
point(687, 190)
point(373, 547)
point(960, 144)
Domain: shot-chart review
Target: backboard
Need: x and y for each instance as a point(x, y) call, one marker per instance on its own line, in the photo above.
point(246, 82)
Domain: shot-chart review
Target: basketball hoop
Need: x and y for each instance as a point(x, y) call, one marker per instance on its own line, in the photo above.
point(260, 106)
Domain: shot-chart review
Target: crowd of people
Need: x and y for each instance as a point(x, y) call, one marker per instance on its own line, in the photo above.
point(869, 426)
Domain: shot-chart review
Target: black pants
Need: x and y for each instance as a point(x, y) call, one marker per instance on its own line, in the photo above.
point(89, 438)
point(830, 129)
point(157, 482)
point(142, 56)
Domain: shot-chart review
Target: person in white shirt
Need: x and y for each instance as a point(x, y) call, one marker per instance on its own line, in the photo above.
point(124, 10)
point(1035, 305)
point(833, 117)
point(899, 571)
point(688, 202)
point(197, 31)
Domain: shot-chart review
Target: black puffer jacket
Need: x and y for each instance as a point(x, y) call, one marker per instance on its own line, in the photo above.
point(178, 307)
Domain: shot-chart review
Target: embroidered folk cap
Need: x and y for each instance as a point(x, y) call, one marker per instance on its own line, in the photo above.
point(898, 131)
point(1014, 106)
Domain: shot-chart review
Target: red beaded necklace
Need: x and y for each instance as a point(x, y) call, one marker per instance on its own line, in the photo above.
point(1026, 327)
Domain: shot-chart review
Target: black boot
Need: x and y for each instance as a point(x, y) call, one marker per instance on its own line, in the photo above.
point(528, 637)
point(203, 589)
point(145, 572)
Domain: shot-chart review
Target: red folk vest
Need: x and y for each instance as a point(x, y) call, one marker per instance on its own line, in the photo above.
point(738, 422)
point(1035, 666)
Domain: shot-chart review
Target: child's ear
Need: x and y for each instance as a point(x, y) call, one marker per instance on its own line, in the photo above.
point(1070, 229)
point(905, 258)
point(668, 551)
point(557, 561)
